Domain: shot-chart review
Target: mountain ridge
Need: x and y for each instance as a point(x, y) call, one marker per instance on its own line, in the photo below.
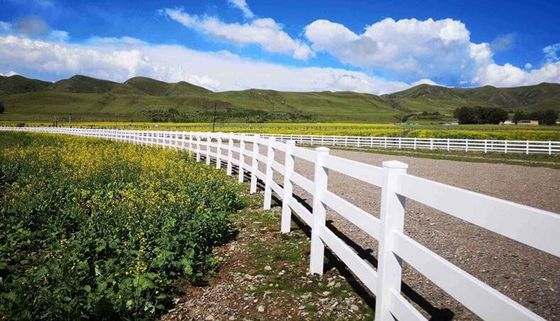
point(139, 97)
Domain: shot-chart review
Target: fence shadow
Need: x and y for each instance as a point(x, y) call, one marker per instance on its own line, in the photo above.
point(332, 262)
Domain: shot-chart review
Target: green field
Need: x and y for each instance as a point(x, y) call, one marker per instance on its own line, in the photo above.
point(97, 230)
point(512, 132)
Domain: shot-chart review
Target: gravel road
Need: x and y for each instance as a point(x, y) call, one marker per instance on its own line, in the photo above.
point(528, 276)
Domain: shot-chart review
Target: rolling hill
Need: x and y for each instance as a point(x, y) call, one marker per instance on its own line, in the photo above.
point(143, 99)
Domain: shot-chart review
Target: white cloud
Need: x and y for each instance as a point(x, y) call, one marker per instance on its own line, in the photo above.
point(552, 52)
point(264, 32)
point(59, 35)
point(410, 49)
point(244, 7)
point(9, 73)
point(510, 76)
point(121, 58)
point(425, 81)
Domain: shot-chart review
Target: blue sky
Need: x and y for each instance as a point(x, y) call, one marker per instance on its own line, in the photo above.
point(368, 46)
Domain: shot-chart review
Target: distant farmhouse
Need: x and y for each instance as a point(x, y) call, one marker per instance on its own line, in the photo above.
point(528, 122)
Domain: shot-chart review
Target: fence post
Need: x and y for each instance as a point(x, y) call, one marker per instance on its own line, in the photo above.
point(268, 177)
point(549, 147)
point(485, 146)
point(319, 212)
point(467, 145)
point(431, 143)
point(288, 187)
point(241, 159)
point(448, 144)
point(527, 148)
point(254, 164)
point(219, 152)
point(208, 141)
point(400, 139)
point(198, 147)
point(229, 154)
point(389, 269)
point(505, 146)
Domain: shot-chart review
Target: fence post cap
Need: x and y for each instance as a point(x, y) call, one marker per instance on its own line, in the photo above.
point(393, 164)
point(322, 149)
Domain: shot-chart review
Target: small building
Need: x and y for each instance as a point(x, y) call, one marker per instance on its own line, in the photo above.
point(508, 122)
point(528, 122)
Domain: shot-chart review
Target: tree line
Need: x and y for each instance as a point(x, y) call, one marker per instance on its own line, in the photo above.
point(494, 115)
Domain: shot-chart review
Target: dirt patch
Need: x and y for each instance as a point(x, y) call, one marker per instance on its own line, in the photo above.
point(263, 275)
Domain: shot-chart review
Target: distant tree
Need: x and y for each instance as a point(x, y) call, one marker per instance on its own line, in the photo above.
point(545, 117)
point(480, 115)
point(491, 115)
point(1, 107)
point(549, 117)
point(519, 115)
point(466, 115)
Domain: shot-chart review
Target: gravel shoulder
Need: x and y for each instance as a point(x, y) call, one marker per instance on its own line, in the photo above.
point(526, 275)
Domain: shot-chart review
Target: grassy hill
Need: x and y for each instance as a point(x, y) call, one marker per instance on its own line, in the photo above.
point(144, 99)
point(18, 84)
point(445, 100)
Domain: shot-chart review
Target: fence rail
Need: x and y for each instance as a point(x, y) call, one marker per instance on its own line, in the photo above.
point(534, 227)
point(448, 144)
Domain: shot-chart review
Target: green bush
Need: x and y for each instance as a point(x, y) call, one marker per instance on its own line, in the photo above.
point(95, 230)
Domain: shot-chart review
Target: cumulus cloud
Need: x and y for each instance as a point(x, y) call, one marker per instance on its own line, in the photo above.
point(243, 6)
point(265, 32)
point(410, 49)
point(509, 75)
point(121, 58)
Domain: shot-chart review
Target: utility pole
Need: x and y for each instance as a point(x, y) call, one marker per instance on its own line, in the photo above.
point(215, 114)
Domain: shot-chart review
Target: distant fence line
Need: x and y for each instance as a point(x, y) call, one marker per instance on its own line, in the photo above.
point(531, 226)
point(549, 147)
point(448, 144)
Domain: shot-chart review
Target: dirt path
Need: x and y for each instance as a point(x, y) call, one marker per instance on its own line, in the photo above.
point(526, 275)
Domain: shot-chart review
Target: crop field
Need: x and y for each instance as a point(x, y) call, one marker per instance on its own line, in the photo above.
point(91, 229)
point(511, 132)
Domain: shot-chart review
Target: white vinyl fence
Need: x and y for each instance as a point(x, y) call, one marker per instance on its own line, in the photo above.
point(449, 144)
point(534, 227)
